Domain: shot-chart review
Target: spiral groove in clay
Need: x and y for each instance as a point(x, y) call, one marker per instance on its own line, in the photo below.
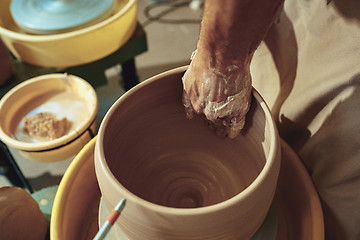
point(182, 181)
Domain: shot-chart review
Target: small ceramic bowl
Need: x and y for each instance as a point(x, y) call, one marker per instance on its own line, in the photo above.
point(64, 96)
point(72, 48)
point(180, 180)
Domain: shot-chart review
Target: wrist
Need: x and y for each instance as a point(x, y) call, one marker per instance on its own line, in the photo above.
point(222, 58)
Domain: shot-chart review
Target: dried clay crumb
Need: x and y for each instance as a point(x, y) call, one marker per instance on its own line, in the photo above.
point(45, 124)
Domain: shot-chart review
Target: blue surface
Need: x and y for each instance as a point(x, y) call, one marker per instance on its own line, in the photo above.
point(51, 16)
point(45, 198)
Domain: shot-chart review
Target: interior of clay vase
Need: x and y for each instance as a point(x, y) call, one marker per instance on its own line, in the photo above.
point(159, 155)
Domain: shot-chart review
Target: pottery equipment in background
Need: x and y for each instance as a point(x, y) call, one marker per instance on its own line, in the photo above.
point(72, 48)
point(180, 180)
point(20, 215)
point(64, 96)
point(51, 17)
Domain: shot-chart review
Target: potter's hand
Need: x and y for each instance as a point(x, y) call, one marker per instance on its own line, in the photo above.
point(221, 91)
point(218, 81)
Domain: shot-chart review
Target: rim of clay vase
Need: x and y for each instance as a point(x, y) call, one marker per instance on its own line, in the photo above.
point(59, 36)
point(58, 142)
point(270, 159)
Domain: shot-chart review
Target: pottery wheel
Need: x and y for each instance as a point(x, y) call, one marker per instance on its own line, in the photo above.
point(55, 16)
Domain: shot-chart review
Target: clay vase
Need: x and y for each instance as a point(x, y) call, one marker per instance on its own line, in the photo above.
point(181, 180)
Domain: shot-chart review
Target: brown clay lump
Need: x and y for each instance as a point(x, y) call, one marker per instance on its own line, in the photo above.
point(46, 125)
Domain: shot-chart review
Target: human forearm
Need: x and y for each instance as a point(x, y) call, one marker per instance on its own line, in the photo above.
point(218, 81)
point(233, 29)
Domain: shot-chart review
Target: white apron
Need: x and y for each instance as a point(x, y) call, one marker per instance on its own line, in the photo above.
point(308, 71)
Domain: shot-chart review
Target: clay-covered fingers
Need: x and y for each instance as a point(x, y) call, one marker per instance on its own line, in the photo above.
point(188, 107)
point(195, 92)
point(234, 126)
point(226, 127)
point(230, 114)
point(220, 91)
point(226, 117)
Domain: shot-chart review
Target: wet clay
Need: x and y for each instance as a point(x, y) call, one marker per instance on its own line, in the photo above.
point(181, 180)
point(46, 125)
point(158, 154)
point(50, 116)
